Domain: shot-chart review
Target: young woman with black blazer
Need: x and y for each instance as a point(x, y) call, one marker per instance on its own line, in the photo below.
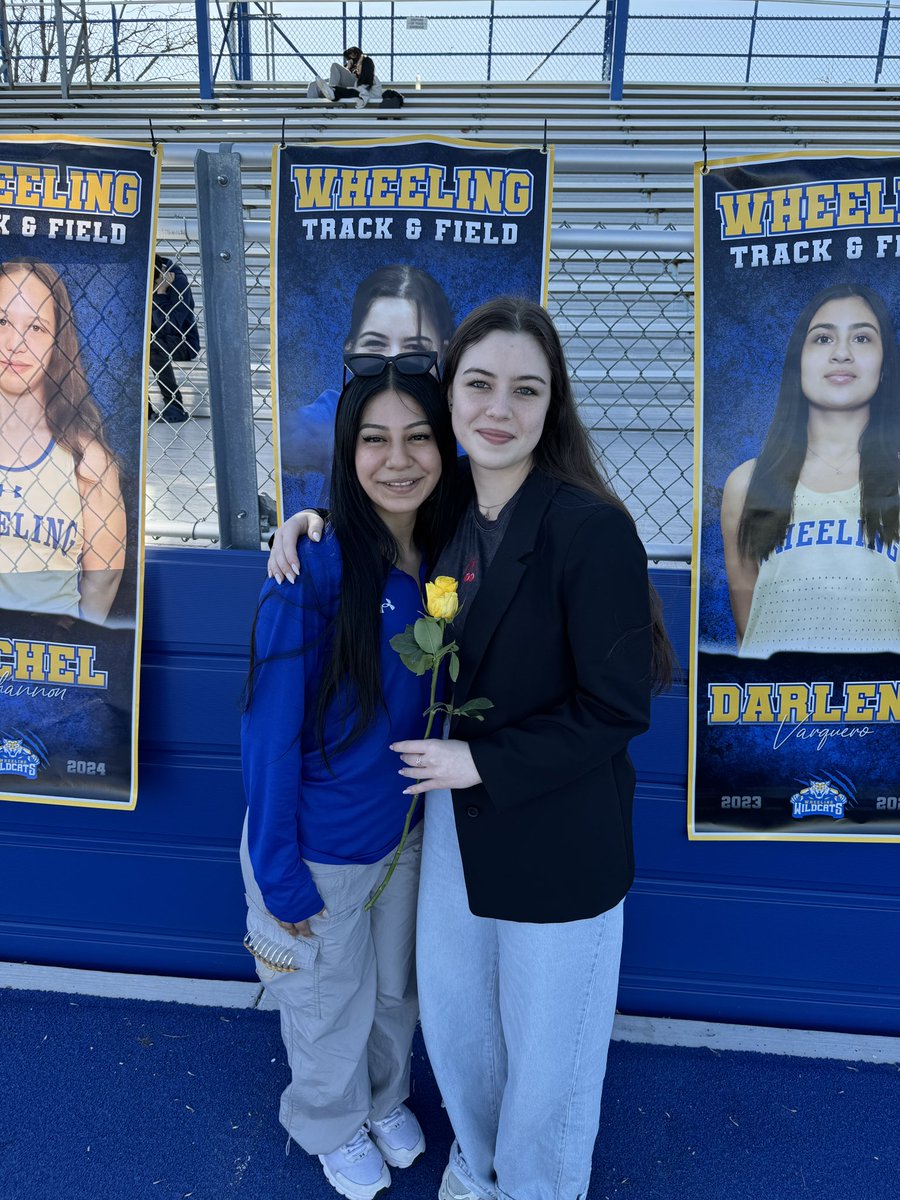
point(528, 846)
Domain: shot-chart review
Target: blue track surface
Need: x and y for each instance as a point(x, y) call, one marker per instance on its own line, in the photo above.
point(126, 1100)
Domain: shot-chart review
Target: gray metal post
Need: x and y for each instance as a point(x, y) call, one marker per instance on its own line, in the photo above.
point(752, 40)
point(228, 346)
point(61, 50)
point(6, 49)
point(882, 41)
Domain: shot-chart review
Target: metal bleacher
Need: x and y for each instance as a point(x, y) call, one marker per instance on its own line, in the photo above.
point(621, 275)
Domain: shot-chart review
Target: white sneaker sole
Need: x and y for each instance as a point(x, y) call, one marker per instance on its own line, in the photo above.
point(400, 1158)
point(356, 1191)
point(444, 1192)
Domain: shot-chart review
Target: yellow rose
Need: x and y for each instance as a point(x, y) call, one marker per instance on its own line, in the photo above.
point(442, 601)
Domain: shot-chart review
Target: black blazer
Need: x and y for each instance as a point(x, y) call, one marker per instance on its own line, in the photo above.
point(558, 637)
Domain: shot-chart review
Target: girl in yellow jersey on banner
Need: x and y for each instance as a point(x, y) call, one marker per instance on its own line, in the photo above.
point(62, 517)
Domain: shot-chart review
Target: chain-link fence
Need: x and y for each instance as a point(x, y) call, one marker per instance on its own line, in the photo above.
point(693, 41)
point(503, 40)
point(763, 42)
point(626, 320)
point(181, 493)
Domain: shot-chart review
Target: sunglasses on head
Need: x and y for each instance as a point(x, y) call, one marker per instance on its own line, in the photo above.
point(413, 362)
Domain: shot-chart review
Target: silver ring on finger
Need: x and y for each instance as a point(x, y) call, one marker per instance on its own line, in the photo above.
point(421, 759)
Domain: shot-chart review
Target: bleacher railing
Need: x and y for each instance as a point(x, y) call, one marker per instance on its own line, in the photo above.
point(804, 42)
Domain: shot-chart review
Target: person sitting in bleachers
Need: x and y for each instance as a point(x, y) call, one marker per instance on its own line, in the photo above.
point(355, 80)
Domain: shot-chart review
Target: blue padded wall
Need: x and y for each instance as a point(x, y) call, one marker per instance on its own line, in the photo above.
point(791, 934)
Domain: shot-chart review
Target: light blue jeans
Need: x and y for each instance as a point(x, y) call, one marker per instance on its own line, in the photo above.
point(517, 1019)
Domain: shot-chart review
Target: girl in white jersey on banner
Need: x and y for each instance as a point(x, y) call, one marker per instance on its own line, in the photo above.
point(62, 518)
point(810, 527)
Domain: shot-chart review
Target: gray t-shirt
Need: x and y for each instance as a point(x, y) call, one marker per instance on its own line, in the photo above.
point(470, 552)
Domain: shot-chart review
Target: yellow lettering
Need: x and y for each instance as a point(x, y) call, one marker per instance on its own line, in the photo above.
point(485, 195)
point(786, 210)
point(411, 192)
point(87, 676)
point(382, 192)
point(53, 197)
point(888, 702)
point(857, 695)
point(313, 186)
point(877, 214)
point(353, 189)
point(59, 664)
point(29, 660)
point(97, 192)
point(724, 703)
point(818, 215)
point(821, 709)
point(517, 191)
point(851, 208)
point(436, 197)
point(758, 705)
point(28, 194)
point(127, 194)
point(742, 213)
point(792, 703)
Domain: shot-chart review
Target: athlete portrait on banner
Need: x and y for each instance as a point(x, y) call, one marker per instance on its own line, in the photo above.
point(380, 249)
point(796, 625)
point(78, 219)
point(62, 533)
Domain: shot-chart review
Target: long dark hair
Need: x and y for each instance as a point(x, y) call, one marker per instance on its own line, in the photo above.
point(399, 281)
point(352, 675)
point(565, 451)
point(70, 410)
point(770, 493)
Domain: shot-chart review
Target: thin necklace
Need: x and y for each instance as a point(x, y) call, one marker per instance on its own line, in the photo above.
point(487, 509)
point(838, 469)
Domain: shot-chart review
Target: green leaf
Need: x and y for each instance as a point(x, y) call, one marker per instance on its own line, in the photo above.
point(472, 708)
point(454, 667)
point(417, 662)
point(428, 635)
point(405, 643)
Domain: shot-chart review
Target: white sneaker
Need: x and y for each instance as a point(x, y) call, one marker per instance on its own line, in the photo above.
point(356, 1169)
point(399, 1137)
point(361, 102)
point(325, 88)
point(452, 1189)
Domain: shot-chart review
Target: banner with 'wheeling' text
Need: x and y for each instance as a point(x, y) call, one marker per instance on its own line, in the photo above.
point(795, 698)
point(77, 221)
point(384, 246)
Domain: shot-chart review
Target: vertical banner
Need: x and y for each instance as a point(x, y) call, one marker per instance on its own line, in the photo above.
point(384, 246)
point(796, 600)
point(77, 221)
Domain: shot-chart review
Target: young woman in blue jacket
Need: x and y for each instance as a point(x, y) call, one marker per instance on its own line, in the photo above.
point(528, 846)
point(326, 696)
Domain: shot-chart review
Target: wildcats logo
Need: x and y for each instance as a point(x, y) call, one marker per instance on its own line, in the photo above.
point(818, 799)
point(18, 759)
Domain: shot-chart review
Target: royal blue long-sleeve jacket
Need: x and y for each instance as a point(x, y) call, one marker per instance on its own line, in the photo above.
point(352, 808)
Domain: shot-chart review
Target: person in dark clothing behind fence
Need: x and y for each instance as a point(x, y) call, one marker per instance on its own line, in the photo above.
point(355, 80)
point(174, 335)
